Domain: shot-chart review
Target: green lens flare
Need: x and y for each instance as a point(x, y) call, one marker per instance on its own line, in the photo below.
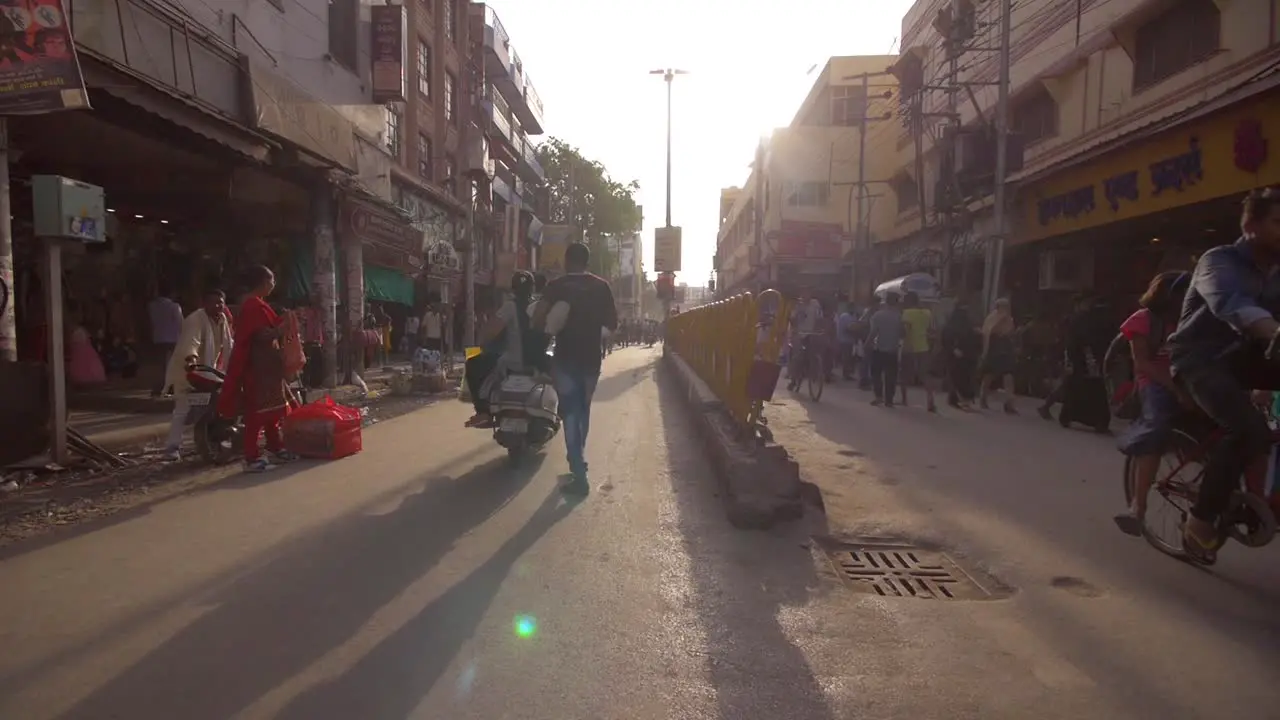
point(526, 626)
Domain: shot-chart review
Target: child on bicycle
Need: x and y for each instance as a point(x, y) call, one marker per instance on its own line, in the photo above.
point(1161, 399)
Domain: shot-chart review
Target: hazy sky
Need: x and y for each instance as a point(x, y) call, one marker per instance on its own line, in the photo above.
point(749, 63)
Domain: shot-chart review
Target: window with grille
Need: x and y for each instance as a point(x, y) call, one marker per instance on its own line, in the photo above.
point(424, 68)
point(450, 26)
point(848, 106)
point(1186, 34)
point(806, 194)
point(450, 89)
point(424, 157)
point(393, 137)
point(1036, 117)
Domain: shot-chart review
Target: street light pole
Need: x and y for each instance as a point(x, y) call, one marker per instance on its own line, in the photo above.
point(668, 76)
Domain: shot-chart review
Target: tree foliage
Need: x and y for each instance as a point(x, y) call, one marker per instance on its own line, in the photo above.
point(601, 207)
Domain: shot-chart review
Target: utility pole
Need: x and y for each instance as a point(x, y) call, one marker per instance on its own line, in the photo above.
point(861, 229)
point(668, 76)
point(8, 313)
point(992, 285)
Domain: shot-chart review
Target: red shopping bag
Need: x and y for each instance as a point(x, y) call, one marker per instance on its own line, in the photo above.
point(323, 429)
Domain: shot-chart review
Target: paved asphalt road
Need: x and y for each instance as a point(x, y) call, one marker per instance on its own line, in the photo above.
point(426, 578)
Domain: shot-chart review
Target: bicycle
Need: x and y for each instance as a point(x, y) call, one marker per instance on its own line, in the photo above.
point(1250, 518)
point(808, 367)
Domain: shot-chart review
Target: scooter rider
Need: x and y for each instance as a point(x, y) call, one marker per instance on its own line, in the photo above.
point(1213, 358)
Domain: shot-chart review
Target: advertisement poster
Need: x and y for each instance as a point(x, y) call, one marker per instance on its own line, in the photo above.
point(387, 51)
point(39, 72)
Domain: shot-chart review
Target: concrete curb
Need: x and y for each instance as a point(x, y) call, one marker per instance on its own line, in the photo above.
point(761, 486)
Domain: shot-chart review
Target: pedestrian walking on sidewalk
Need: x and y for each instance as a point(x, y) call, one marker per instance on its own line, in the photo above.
point(166, 323)
point(576, 367)
point(255, 383)
point(999, 356)
point(917, 350)
point(885, 342)
point(961, 346)
point(205, 339)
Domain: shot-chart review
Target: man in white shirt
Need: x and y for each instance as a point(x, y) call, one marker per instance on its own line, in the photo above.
point(166, 325)
point(433, 329)
point(409, 340)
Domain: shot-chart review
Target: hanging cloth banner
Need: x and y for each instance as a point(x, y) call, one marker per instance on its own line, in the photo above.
point(39, 70)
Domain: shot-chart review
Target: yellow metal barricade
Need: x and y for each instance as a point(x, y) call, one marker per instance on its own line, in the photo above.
point(722, 340)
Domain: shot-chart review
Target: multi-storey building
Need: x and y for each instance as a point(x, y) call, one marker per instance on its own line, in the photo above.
point(267, 114)
point(794, 221)
point(628, 286)
point(508, 111)
point(1136, 127)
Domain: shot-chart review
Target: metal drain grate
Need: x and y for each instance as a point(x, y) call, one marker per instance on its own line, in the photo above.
point(904, 571)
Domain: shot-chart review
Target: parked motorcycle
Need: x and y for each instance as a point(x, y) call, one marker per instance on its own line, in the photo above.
point(526, 410)
point(217, 438)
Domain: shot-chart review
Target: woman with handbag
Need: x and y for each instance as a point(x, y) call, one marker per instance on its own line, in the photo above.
point(255, 385)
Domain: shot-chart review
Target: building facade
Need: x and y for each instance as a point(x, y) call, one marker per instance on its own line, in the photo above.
point(794, 222)
point(508, 112)
point(1136, 127)
point(628, 285)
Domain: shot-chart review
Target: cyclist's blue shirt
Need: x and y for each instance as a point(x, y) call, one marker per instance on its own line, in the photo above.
point(1229, 291)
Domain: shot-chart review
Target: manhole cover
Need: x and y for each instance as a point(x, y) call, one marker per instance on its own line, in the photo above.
point(904, 571)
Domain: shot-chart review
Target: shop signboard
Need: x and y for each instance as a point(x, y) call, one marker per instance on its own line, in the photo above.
point(388, 240)
point(387, 50)
point(807, 241)
point(666, 249)
point(41, 73)
point(551, 258)
point(285, 110)
point(1226, 153)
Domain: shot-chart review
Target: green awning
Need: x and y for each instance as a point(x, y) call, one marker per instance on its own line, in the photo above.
point(386, 285)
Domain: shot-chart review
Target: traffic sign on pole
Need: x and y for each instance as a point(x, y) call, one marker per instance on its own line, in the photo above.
point(666, 249)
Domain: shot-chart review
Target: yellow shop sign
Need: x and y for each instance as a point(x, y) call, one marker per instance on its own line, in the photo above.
point(1226, 153)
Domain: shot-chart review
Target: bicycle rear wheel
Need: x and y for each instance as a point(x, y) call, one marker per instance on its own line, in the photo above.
point(817, 376)
point(1169, 500)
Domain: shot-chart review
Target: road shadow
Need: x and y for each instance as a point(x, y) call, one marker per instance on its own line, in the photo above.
point(273, 620)
point(743, 580)
point(615, 384)
point(393, 678)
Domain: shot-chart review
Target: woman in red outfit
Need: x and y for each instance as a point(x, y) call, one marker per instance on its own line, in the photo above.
point(255, 383)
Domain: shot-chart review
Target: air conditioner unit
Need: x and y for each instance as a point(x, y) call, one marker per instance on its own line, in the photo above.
point(478, 161)
point(1066, 270)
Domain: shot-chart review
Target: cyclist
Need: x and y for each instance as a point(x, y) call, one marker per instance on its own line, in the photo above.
point(806, 321)
point(1213, 358)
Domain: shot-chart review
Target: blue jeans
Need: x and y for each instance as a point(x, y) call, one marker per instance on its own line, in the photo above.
point(575, 390)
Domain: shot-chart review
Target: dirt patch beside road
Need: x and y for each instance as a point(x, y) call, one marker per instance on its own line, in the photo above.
point(49, 501)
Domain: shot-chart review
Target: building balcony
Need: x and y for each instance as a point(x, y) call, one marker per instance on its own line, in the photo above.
point(529, 112)
point(527, 161)
point(496, 125)
point(504, 69)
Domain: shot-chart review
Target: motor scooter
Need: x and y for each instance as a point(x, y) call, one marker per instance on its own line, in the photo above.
point(217, 439)
point(525, 408)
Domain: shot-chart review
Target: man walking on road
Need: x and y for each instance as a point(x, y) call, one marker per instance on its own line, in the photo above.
point(577, 354)
point(885, 340)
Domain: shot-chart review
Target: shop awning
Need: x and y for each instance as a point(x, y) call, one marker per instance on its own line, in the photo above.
point(167, 105)
point(386, 285)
